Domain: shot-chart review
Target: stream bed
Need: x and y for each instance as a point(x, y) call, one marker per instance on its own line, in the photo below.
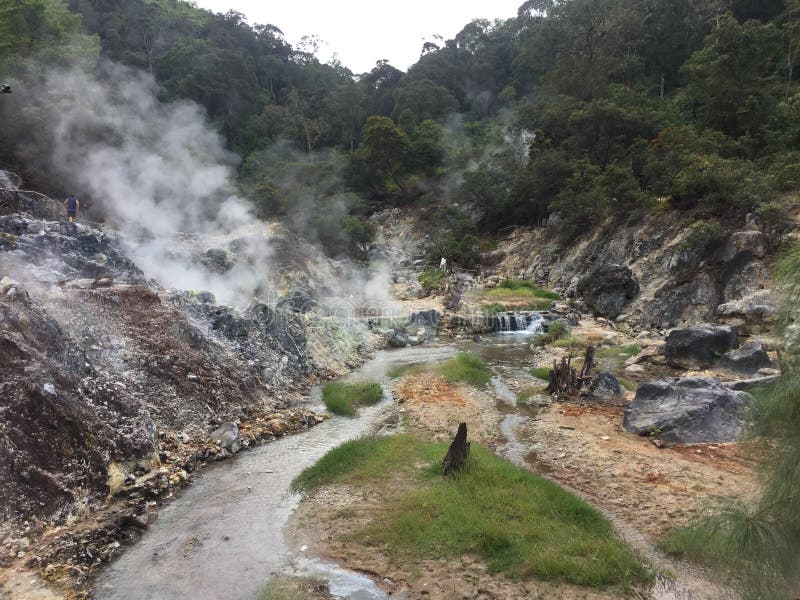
point(223, 537)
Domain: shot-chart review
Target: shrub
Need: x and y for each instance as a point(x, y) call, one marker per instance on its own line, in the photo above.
point(704, 237)
point(432, 280)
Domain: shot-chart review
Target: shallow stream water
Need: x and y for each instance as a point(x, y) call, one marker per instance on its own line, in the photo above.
point(224, 536)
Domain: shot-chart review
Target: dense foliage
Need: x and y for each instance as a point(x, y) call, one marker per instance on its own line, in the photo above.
point(585, 108)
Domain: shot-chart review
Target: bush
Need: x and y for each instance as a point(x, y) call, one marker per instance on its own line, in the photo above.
point(704, 237)
point(432, 280)
point(344, 398)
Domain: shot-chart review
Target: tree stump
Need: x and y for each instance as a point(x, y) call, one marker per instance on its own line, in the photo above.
point(458, 452)
point(565, 380)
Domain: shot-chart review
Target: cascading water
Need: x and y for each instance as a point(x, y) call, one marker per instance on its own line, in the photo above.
point(517, 322)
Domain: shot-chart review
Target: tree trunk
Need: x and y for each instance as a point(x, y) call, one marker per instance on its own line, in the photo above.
point(458, 453)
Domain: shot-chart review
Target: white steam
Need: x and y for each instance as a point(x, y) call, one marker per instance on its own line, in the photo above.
point(157, 169)
point(165, 182)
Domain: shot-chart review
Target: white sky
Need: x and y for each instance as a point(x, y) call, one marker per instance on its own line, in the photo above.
point(361, 32)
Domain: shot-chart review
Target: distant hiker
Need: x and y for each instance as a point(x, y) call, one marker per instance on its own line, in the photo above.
point(72, 204)
point(443, 264)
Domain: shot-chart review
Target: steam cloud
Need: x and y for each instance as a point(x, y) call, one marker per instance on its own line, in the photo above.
point(164, 180)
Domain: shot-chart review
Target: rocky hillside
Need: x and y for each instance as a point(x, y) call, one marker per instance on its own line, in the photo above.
point(107, 379)
point(657, 273)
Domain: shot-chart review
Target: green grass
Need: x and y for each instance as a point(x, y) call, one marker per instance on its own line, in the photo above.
point(401, 370)
point(466, 368)
point(493, 308)
point(345, 398)
point(627, 384)
point(520, 524)
point(525, 287)
point(618, 354)
point(569, 341)
point(463, 367)
point(541, 373)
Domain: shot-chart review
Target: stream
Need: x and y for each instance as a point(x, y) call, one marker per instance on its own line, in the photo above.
point(224, 536)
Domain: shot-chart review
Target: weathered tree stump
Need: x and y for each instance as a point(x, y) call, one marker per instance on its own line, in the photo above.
point(565, 380)
point(458, 453)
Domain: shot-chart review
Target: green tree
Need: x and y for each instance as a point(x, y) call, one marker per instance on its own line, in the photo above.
point(381, 157)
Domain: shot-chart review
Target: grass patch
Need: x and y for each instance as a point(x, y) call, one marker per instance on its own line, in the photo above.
point(525, 288)
point(401, 370)
point(345, 398)
point(570, 341)
point(520, 524)
point(618, 354)
point(466, 368)
point(493, 308)
point(541, 373)
point(432, 280)
point(627, 384)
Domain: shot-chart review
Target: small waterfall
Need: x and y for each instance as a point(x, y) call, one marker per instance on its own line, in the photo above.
point(518, 322)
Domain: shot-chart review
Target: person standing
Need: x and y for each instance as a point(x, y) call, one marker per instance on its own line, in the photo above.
point(72, 204)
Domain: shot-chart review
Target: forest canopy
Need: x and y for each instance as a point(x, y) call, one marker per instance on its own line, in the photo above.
point(592, 109)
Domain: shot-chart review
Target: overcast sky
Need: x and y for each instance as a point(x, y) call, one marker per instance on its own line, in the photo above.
point(362, 32)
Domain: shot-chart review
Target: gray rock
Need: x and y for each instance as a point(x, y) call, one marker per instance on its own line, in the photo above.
point(426, 319)
point(605, 387)
point(746, 361)
point(228, 437)
point(607, 289)
point(695, 410)
point(700, 347)
point(397, 339)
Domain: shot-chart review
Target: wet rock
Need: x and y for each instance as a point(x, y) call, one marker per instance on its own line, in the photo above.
point(607, 289)
point(605, 387)
point(228, 437)
point(746, 361)
point(700, 347)
point(695, 410)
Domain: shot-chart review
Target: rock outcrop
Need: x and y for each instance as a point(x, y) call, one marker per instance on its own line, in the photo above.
point(605, 388)
point(695, 410)
point(746, 361)
point(607, 289)
point(700, 347)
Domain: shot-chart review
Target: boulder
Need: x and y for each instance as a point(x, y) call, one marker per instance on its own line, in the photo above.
point(695, 410)
point(426, 319)
point(300, 299)
point(605, 387)
point(646, 354)
point(607, 289)
point(228, 437)
point(746, 361)
point(397, 339)
point(759, 307)
point(700, 347)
